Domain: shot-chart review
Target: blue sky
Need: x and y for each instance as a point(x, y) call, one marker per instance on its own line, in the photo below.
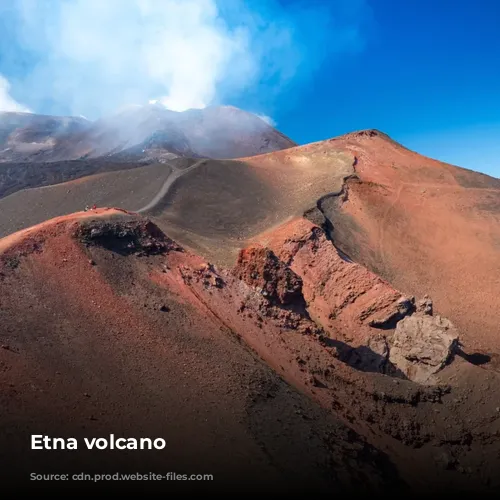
point(425, 72)
point(429, 76)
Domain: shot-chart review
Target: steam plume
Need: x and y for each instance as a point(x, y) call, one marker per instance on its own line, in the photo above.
point(94, 56)
point(7, 102)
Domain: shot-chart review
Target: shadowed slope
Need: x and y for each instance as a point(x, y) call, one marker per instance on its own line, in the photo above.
point(15, 177)
point(132, 189)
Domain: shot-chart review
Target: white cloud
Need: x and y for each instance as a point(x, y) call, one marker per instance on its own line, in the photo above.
point(7, 102)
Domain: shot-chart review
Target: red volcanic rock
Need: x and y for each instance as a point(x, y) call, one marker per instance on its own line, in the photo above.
point(260, 268)
point(348, 300)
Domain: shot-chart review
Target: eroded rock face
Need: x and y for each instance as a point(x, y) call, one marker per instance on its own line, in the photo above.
point(344, 297)
point(422, 345)
point(260, 268)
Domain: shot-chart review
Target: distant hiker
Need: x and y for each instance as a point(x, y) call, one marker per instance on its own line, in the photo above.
point(86, 209)
point(94, 207)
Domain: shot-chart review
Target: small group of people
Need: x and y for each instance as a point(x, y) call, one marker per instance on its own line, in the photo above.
point(87, 208)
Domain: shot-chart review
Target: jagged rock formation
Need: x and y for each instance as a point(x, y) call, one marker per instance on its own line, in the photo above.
point(342, 296)
point(259, 267)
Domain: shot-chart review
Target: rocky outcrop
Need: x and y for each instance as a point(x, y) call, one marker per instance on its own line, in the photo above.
point(260, 268)
point(140, 237)
point(345, 298)
point(370, 325)
point(422, 345)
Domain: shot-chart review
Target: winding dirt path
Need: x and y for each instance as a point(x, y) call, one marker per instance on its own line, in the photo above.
point(176, 174)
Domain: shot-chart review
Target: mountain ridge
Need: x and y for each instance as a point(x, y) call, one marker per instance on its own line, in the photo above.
point(217, 132)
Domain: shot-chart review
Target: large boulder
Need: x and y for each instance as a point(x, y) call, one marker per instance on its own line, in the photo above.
point(422, 345)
